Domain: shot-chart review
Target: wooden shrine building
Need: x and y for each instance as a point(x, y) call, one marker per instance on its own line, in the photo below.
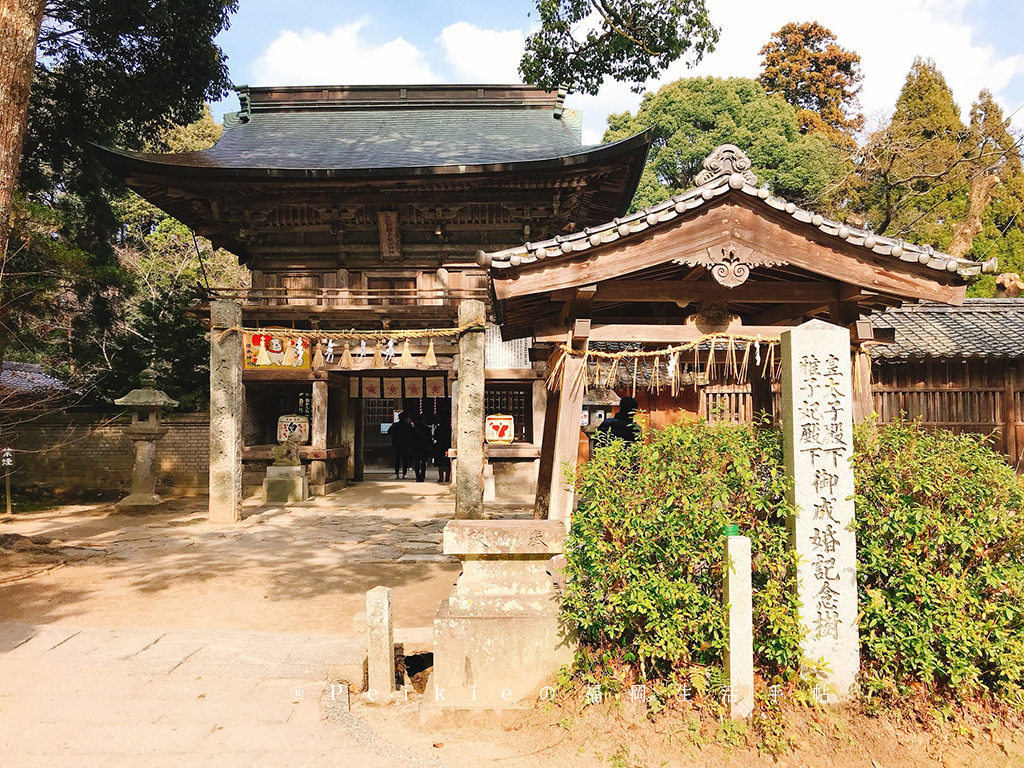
point(360, 210)
point(706, 278)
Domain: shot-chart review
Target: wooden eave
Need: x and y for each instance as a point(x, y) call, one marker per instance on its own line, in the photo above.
point(608, 175)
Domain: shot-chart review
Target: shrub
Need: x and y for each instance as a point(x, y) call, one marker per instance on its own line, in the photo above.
point(644, 554)
point(940, 544)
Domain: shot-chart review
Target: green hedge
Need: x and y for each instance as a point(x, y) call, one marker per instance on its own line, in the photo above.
point(644, 555)
point(940, 550)
point(939, 540)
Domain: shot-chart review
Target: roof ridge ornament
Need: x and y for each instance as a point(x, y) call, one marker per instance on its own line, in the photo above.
point(726, 160)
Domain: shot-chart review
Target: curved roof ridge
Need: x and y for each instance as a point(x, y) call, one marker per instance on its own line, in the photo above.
point(727, 169)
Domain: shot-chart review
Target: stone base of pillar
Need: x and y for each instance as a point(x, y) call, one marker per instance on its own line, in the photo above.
point(285, 484)
point(497, 639)
point(140, 500)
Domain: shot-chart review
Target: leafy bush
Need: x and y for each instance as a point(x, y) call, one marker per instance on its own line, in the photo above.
point(940, 546)
point(644, 555)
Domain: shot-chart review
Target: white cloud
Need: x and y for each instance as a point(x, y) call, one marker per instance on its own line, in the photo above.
point(483, 55)
point(886, 33)
point(340, 57)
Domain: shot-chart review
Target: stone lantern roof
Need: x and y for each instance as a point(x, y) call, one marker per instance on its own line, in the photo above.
point(147, 396)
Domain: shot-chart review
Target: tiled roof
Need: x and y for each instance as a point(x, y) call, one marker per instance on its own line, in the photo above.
point(727, 170)
point(27, 377)
point(980, 328)
point(382, 138)
point(356, 129)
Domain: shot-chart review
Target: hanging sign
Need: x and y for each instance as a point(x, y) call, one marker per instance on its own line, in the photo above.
point(499, 429)
point(264, 350)
point(293, 427)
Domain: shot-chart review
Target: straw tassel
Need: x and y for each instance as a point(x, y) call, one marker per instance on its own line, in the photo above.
point(378, 358)
point(430, 359)
point(405, 361)
point(318, 356)
point(346, 357)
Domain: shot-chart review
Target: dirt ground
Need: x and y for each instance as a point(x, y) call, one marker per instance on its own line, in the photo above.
point(292, 572)
point(609, 734)
point(268, 594)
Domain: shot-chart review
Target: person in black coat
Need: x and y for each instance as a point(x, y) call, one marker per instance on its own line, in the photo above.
point(401, 434)
point(622, 425)
point(442, 442)
point(420, 442)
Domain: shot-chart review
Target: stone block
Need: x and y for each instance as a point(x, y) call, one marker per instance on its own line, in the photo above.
point(818, 444)
point(497, 638)
point(285, 484)
point(380, 635)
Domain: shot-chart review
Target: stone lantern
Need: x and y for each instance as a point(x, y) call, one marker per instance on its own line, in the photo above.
point(146, 404)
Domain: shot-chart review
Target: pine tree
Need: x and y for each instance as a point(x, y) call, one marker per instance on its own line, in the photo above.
point(916, 168)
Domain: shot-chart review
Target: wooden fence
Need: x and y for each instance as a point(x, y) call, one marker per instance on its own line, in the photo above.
point(981, 396)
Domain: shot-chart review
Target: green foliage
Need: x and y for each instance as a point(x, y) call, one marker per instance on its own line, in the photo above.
point(913, 165)
point(693, 116)
point(628, 40)
point(644, 556)
point(940, 571)
point(117, 72)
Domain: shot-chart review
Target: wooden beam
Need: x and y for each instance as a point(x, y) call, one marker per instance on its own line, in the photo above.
point(748, 293)
point(783, 312)
point(654, 334)
point(547, 456)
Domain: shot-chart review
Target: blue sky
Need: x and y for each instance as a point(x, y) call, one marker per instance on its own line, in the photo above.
point(390, 41)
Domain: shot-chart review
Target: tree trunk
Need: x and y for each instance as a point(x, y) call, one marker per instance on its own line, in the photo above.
point(19, 31)
point(965, 232)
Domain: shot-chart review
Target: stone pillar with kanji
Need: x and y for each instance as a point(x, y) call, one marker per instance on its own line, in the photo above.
point(818, 440)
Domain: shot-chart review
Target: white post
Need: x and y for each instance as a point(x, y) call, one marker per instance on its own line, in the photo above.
point(739, 654)
point(818, 439)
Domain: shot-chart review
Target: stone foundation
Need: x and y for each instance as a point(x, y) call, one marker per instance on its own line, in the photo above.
point(497, 639)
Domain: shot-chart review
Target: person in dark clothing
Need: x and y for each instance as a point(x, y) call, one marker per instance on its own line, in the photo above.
point(442, 442)
point(401, 434)
point(622, 425)
point(420, 443)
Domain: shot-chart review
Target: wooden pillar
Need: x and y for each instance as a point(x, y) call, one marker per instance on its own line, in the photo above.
point(347, 431)
point(863, 399)
point(359, 439)
point(318, 434)
point(547, 456)
point(227, 404)
point(563, 462)
point(1010, 414)
point(469, 480)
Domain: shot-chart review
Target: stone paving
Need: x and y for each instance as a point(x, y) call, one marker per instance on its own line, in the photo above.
point(150, 644)
point(134, 696)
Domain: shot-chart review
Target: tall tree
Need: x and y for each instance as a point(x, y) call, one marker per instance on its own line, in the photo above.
point(106, 72)
point(693, 116)
point(805, 64)
point(581, 42)
point(916, 168)
point(19, 27)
